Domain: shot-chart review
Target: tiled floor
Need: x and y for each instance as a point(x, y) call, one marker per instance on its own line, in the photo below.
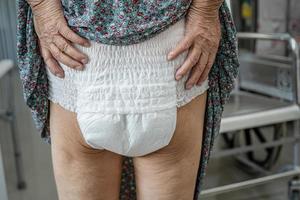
point(38, 174)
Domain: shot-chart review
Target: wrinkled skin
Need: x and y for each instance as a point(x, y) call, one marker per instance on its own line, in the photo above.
point(202, 37)
point(56, 38)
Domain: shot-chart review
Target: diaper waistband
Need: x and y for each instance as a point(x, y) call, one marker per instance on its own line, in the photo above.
point(130, 78)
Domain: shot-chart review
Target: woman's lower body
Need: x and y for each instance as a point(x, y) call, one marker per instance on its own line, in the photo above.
point(127, 103)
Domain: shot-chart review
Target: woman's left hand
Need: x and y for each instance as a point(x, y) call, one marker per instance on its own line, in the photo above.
point(202, 37)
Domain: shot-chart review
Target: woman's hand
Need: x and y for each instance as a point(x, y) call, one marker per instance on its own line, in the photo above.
point(202, 37)
point(55, 37)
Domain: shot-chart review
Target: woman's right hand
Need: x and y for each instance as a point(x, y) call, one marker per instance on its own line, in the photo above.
point(55, 37)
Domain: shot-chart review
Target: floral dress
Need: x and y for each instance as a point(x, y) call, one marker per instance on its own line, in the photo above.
point(122, 23)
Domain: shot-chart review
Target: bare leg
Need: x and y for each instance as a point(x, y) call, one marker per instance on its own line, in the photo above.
point(170, 173)
point(80, 171)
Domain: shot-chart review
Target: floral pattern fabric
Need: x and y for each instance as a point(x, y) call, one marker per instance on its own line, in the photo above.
point(123, 23)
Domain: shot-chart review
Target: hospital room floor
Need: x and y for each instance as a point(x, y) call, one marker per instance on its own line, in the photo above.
point(39, 178)
point(227, 170)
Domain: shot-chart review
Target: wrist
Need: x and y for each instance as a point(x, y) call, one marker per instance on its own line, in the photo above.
point(42, 8)
point(208, 10)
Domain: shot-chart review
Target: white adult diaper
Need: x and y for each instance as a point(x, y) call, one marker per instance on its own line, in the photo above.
point(126, 98)
point(128, 134)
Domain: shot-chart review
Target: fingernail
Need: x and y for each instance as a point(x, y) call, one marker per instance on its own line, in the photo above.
point(84, 61)
point(59, 75)
point(87, 44)
point(170, 55)
point(79, 67)
point(189, 86)
point(179, 76)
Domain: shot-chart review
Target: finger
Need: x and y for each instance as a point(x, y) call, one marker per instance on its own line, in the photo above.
point(68, 49)
point(63, 58)
point(52, 64)
point(182, 46)
point(69, 34)
point(191, 60)
point(197, 71)
point(204, 75)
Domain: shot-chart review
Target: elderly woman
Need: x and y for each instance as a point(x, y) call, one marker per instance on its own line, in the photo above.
point(132, 92)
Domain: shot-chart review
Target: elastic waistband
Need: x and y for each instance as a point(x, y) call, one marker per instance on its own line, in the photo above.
point(166, 38)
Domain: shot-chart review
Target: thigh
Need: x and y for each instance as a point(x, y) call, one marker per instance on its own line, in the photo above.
point(80, 171)
point(170, 172)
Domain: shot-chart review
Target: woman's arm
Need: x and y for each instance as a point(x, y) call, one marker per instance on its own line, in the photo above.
point(55, 36)
point(202, 37)
point(207, 9)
